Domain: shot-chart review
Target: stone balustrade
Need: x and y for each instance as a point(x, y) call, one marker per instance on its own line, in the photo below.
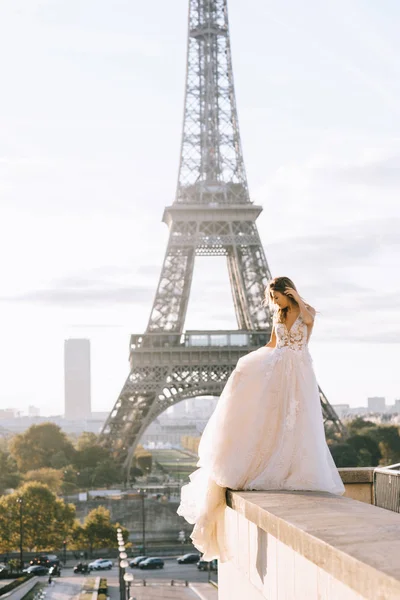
point(311, 545)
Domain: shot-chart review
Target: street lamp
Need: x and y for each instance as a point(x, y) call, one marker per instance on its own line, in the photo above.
point(20, 501)
point(128, 578)
point(65, 551)
point(142, 494)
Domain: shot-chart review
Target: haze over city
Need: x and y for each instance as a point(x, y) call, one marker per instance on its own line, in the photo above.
point(91, 119)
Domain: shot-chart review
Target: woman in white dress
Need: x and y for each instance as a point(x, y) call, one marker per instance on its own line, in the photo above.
point(267, 430)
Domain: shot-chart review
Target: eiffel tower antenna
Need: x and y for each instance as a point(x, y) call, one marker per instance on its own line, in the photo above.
point(212, 215)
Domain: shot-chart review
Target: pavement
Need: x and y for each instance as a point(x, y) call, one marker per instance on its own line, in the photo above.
point(158, 590)
point(69, 586)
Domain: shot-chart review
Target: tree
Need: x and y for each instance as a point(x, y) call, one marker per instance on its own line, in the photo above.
point(107, 473)
point(36, 447)
point(94, 463)
point(46, 519)
point(344, 455)
point(70, 479)
point(53, 478)
point(367, 449)
point(87, 439)
point(143, 459)
point(99, 532)
point(358, 423)
point(388, 439)
point(9, 476)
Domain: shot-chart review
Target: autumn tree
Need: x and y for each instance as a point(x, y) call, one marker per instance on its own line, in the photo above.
point(388, 439)
point(39, 445)
point(46, 519)
point(94, 464)
point(9, 476)
point(99, 532)
point(53, 478)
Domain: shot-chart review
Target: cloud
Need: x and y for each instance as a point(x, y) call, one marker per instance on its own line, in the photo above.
point(379, 337)
point(353, 244)
point(84, 296)
point(379, 173)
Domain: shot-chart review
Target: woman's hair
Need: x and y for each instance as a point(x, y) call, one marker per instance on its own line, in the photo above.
point(279, 284)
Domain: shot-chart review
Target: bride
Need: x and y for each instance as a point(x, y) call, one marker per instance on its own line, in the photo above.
point(267, 430)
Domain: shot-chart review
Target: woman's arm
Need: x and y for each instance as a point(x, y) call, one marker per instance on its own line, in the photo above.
point(307, 312)
point(272, 341)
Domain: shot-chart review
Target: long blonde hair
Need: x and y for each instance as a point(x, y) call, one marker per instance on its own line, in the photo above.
point(279, 284)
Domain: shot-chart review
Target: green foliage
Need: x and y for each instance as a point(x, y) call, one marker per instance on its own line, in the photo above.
point(102, 587)
point(358, 423)
point(46, 519)
point(50, 477)
point(144, 462)
point(388, 439)
point(344, 455)
point(9, 476)
point(37, 447)
point(87, 439)
point(94, 464)
point(98, 531)
point(367, 450)
point(59, 460)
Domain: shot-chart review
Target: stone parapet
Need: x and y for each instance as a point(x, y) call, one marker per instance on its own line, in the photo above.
point(309, 545)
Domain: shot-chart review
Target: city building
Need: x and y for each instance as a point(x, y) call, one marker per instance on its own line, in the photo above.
point(341, 409)
point(77, 379)
point(377, 404)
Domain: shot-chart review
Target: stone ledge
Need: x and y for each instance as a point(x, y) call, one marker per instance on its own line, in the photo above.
point(356, 543)
point(357, 474)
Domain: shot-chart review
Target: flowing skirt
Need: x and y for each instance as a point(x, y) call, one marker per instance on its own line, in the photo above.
point(266, 433)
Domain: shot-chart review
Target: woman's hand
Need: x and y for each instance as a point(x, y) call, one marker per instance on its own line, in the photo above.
point(291, 292)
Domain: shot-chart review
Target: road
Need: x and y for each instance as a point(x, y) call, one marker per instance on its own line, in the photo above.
point(68, 586)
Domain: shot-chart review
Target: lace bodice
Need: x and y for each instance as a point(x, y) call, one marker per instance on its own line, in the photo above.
point(295, 339)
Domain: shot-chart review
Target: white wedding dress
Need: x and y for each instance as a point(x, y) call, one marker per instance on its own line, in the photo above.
point(266, 433)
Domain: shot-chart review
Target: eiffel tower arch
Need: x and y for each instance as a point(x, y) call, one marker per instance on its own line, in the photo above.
point(212, 215)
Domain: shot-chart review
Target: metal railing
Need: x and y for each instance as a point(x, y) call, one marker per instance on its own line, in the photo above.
point(387, 487)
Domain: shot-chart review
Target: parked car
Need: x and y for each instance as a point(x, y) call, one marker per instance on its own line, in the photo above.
point(136, 561)
point(37, 570)
point(81, 567)
point(4, 570)
point(206, 565)
point(101, 564)
point(47, 560)
point(151, 563)
point(188, 558)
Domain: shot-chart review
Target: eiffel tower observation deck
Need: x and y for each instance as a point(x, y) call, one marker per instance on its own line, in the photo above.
point(212, 215)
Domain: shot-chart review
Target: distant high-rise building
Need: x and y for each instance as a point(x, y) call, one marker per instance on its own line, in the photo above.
point(77, 378)
point(8, 413)
point(33, 411)
point(377, 404)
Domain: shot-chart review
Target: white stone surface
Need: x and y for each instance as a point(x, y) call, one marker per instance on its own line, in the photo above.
point(265, 568)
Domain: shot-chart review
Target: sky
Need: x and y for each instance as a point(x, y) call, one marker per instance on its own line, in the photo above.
point(91, 111)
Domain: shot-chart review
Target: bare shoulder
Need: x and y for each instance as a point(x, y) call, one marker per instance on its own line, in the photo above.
point(312, 310)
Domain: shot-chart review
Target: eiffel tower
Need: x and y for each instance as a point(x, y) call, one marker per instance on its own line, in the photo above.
point(212, 215)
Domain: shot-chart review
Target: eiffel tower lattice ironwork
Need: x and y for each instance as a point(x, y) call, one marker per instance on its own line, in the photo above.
point(212, 215)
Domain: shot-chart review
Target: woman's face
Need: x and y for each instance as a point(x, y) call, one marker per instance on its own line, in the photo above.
point(282, 300)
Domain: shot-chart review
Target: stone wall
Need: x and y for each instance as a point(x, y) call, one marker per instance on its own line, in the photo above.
point(309, 545)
